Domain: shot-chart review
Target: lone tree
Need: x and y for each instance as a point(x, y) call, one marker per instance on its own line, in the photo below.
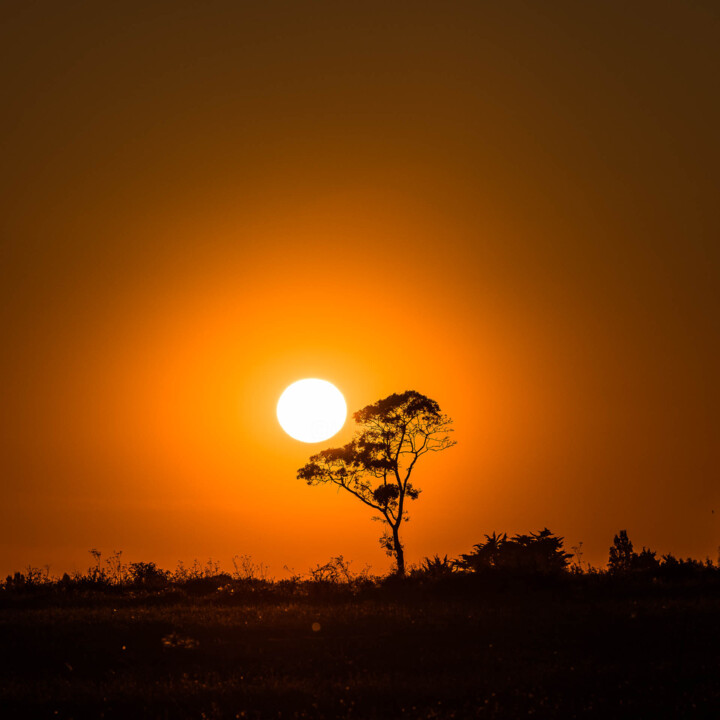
point(376, 466)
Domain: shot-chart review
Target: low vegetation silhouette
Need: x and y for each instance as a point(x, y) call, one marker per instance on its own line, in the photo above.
point(524, 557)
point(509, 629)
point(394, 433)
point(540, 552)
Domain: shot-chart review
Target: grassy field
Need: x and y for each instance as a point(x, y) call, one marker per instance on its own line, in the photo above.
point(387, 650)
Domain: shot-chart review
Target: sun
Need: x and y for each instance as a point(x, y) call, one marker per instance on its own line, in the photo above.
point(311, 410)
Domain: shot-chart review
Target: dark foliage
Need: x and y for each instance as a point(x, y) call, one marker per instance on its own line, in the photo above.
point(376, 466)
point(504, 632)
point(148, 575)
point(622, 559)
point(435, 570)
point(581, 646)
point(540, 552)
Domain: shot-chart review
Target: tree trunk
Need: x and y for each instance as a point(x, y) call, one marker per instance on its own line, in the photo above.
point(399, 554)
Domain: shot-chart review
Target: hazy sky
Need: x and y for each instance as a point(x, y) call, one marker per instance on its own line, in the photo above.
point(510, 207)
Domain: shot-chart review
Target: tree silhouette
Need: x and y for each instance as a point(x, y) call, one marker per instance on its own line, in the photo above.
point(622, 559)
point(376, 466)
point(621, 553)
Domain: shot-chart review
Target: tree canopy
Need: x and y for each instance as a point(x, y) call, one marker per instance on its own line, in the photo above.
point(376, 466)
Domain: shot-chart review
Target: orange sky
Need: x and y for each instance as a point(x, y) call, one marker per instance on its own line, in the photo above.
point(510, 209)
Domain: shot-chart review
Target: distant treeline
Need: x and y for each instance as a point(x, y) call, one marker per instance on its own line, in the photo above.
point(534, 557)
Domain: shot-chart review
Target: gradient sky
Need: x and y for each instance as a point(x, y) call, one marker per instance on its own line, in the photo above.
point(510, 207)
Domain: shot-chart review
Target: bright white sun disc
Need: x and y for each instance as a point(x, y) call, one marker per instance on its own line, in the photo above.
point(311, 410)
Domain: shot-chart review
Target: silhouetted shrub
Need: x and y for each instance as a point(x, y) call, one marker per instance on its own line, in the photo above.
point(622, 559)
point(148, 575)
point(32, 578)
point(434, 568)
point(537, 553)
point(645, 561)
point(15, 582)
point(677, 570)
point(335, 570)
point(247, 569)
point(204, 585)
point(621, 552)
point(484, 555)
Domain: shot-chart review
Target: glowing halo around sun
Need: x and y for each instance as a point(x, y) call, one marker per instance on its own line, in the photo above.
point(311, 410)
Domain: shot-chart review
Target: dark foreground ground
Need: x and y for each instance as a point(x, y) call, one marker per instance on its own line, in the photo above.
point(397, 651)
